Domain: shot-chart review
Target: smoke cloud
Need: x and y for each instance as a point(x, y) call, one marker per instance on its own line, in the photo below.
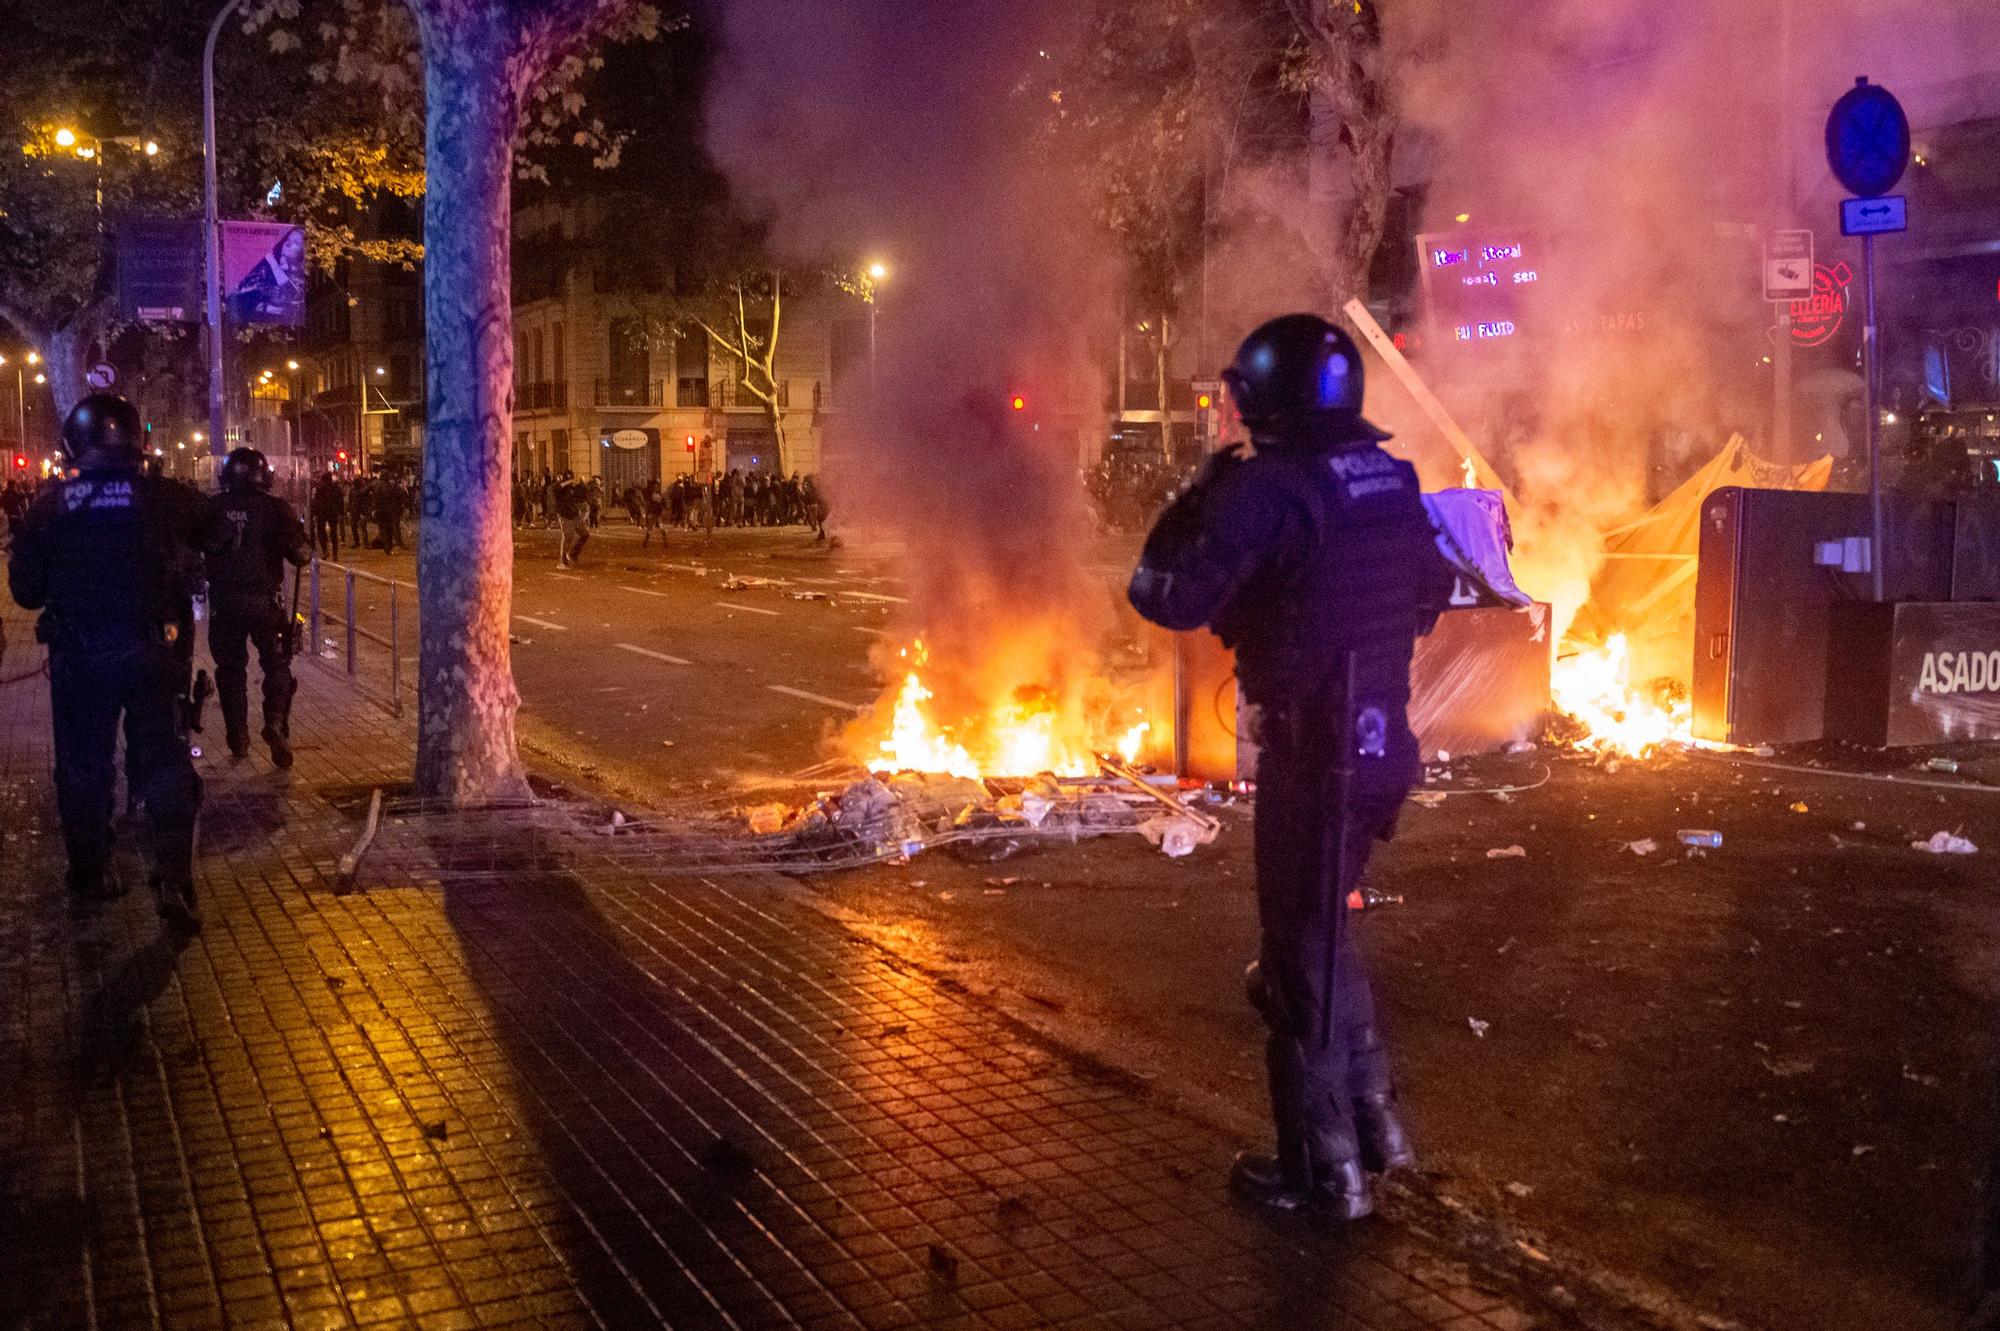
point(1644, 148)
point(913, 133)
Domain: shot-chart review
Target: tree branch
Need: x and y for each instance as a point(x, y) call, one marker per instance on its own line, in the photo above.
point(552, 28)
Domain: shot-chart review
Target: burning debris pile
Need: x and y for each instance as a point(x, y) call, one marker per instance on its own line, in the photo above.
point(877, 818)
point(886, 816)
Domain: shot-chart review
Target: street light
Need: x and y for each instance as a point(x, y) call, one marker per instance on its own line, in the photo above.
point(65, 137)
point(878, 272)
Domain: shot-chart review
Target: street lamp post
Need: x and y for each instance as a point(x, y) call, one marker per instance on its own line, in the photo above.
point(878, 272)
point(21, 396)
point(212, 232)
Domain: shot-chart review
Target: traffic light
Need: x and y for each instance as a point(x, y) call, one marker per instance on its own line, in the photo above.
point(690, 443)
point(1204, 401)
point(20, 461)
point(1019, 403)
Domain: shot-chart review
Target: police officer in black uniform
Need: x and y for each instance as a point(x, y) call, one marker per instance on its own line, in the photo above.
point(109, 555)
point(246, 602)
point(1311, 555)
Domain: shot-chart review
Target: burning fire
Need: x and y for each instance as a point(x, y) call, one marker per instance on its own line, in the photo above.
point(1027, 731)
point(1594, 688)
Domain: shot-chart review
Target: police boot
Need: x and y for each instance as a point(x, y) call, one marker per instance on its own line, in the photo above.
point(1384, 1144)
point(89, 889)
point(281, 747)
point(1337, 1192)
point(1265, 1183)
point(239, 740)
point(174, 898)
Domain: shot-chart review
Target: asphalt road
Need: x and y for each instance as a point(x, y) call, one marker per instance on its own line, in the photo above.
point(1754, 1085)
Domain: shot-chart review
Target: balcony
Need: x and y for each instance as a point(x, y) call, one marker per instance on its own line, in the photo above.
point(732, 396)
point(644, 396)
point(690, 392)
point(541, 397)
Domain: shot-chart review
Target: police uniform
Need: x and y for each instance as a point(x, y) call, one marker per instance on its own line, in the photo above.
point(109, 555)
point(246, 607)
point(1313, 558)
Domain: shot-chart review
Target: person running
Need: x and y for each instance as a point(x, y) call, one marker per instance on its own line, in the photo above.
point(572, 515)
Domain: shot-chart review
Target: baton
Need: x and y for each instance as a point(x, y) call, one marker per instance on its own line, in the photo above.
point(292, 620)
point(1335, 847)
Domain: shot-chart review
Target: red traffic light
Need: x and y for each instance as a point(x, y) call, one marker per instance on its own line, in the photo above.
point(20, 461)
point(341, 455)
point(1020, 403)
point(690, 443)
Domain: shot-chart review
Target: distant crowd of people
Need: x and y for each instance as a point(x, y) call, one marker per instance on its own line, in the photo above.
point(1129, 492)
point(737, 498)
point(368, 510)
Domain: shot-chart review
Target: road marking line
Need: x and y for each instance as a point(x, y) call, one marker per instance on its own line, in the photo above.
point(647, 651)
point(692, 568)
point(542, 623)
point(825, 582)
point(877, 596)
point(816, 697)
point(863, 628)
point(749, 609)
point(643, 591)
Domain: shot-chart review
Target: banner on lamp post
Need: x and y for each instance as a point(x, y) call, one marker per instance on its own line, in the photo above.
point(264, 272)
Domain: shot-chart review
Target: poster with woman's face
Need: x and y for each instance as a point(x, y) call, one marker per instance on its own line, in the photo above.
point(264, 272)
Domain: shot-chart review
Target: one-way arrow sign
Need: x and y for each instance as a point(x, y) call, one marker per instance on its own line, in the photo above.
point(1872, 217)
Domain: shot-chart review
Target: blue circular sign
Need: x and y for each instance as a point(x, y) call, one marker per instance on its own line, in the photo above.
point(1868, 140)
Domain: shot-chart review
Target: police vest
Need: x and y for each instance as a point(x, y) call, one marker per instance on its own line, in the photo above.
point(1369, 580)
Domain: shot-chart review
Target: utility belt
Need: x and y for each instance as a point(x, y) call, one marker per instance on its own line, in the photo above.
point(60, 633)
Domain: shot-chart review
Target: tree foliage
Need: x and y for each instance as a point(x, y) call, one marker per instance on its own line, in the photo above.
point(118, 73)
point(1170, 105)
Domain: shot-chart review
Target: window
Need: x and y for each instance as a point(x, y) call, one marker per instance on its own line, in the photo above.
point(691, 368)
point(535, 345)
point(559, 450)
point(558, 360)
point(848, 351)
point(629, 365)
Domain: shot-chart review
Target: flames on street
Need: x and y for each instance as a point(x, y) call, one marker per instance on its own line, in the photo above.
point(1018, 726)
point(1593, 686)
point(1023, 727)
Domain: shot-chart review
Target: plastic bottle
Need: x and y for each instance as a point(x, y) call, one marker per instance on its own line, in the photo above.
point(1705, 838)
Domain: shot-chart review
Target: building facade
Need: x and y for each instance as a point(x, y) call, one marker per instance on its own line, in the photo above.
point(613, 379)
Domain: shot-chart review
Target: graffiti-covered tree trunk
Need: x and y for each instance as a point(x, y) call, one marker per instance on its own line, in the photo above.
point(481, 57)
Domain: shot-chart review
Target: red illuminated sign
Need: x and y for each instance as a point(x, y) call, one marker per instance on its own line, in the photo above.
point(1817, 318)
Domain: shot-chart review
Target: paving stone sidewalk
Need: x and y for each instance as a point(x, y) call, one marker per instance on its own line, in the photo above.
point(578, 1098)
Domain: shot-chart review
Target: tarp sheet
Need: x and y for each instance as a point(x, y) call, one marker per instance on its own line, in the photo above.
point(1645, 587)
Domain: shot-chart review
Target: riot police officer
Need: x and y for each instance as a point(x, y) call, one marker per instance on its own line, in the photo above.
point(1311, 555)
point(109, 555)
point(246, 605)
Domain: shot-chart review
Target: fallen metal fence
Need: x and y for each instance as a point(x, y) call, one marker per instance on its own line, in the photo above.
point(358, 629)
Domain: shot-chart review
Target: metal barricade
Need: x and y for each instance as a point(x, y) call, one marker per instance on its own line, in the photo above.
point(382, 630)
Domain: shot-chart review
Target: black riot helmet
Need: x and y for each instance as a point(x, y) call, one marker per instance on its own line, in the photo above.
point(102, 433)
point(246, 469)
point(1299, 374)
